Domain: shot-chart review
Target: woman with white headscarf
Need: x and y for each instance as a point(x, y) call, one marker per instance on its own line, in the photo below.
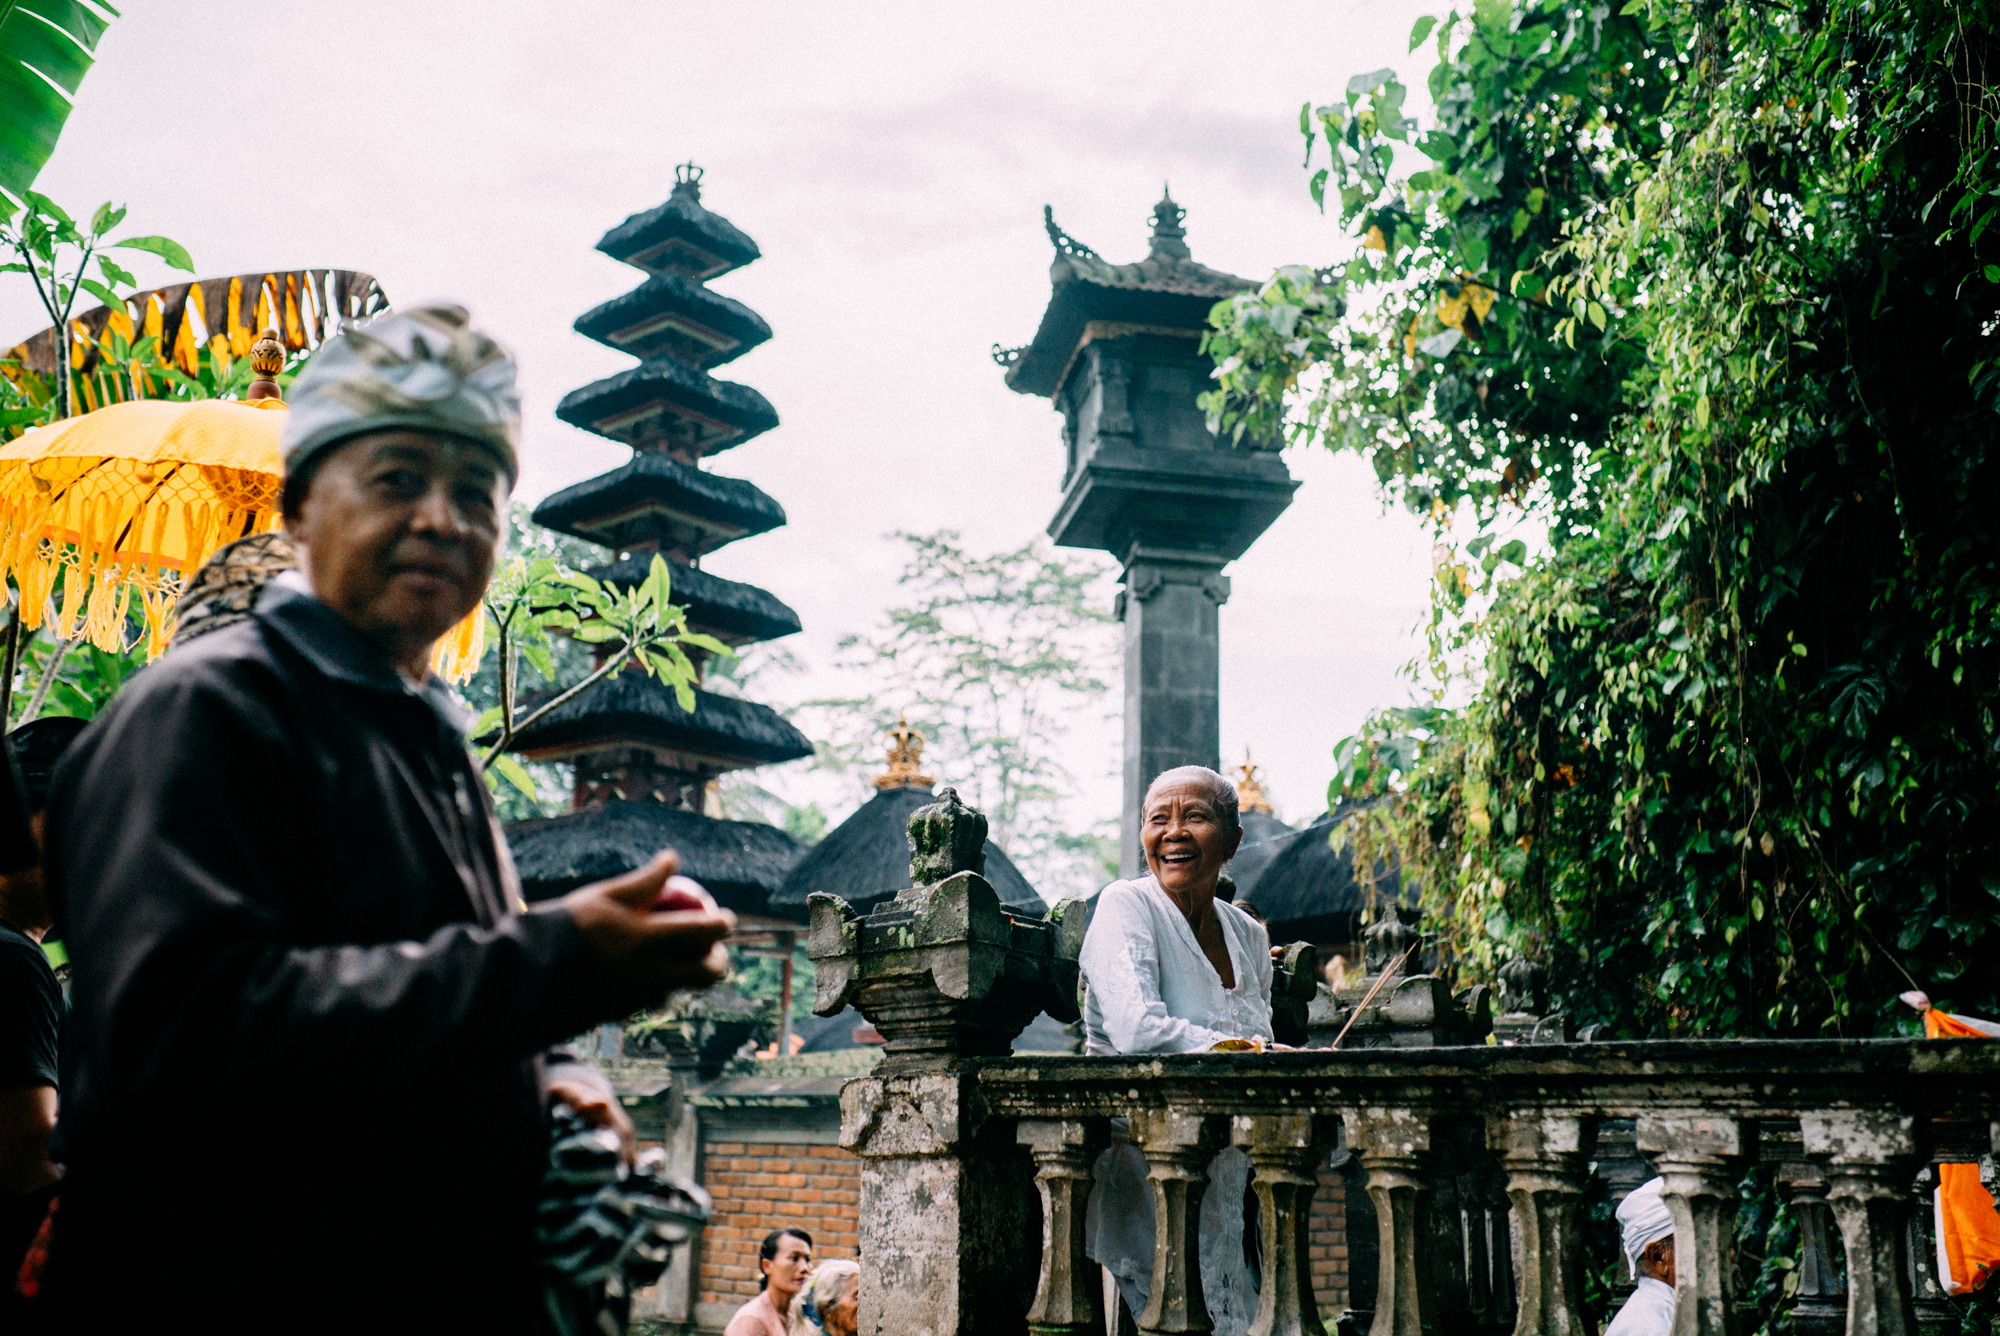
point(1647, 1235)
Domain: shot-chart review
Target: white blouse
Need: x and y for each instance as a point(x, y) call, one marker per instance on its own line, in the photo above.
point(1150, 989)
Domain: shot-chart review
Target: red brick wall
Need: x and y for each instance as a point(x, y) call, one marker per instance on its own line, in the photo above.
point(758, 1186)
point(1326, 1243)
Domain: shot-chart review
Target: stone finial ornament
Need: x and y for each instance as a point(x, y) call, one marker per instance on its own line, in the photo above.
point(267, 359)
point(1250, 795)
point(687, 180)
point(944, 970)
point(1384, 944)
point(906, 753)
point(1169, 237)
point(946, 838)
point(1525, 987)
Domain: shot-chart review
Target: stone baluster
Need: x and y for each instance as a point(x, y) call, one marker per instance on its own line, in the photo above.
point(1927, 1297)
point(1178, 1147)
point(1870, 1157)
point(1819, 1308)
point(1546, 1157)
point(1285, 1150)
point(1067, 1295)
point(1392, 1144)
point(1700, 1159)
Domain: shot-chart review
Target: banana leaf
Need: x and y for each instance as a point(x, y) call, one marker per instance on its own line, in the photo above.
point(45, 46)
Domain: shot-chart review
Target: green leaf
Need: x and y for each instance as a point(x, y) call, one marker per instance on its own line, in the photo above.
point(659, 585)
point(1421, 31)
point(1597, 316)
point(106, 218)
point(1701, 411)
point(514, 773)
point(1363, 84)
point(171, 251)
point(45, 46)
point(1993, 273)
point(99, 291)
point(114, 272)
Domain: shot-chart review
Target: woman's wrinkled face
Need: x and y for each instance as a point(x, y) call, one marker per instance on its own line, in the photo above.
point(844, 1318)
point(1184, 836)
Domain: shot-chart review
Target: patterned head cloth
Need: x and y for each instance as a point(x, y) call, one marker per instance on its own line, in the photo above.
point(426, 369)
point(1643, 1220)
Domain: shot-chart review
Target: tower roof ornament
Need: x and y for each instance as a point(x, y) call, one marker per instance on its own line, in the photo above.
point(687, 180)
point(1064, 243)
point(1250, 796)
point(906, 750)
point(1169, 237)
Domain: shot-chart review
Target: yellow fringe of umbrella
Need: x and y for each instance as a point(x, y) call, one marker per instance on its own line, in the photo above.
point(88, 565)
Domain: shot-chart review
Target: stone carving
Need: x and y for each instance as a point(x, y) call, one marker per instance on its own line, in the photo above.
point(1066, 1292)
point(1547, 1162)
point(1870, 1158)
point(1285, 1151)
point(1700, 1158)
point(943, 970)
point(1178, 1147)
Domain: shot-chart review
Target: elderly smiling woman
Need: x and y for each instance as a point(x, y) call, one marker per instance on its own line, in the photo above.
point(1168, 968)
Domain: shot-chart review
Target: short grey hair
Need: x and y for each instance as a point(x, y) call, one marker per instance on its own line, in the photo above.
point(1221, 792)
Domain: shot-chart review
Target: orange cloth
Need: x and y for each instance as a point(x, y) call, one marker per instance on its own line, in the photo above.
point(1968, 1224)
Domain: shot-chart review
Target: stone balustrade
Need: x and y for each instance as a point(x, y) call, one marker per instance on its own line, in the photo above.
point(1477, 1156)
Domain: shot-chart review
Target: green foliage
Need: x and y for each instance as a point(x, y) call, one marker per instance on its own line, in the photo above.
point(46, 47)
point(55, 252)
point(1730, 757)
point(991, 659)
point(537, 603)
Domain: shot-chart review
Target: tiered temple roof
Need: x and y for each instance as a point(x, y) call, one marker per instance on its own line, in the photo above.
point(644, 765)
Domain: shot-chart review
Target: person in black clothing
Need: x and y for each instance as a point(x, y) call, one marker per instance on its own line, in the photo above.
point(31, 1011)
point(308, 1067)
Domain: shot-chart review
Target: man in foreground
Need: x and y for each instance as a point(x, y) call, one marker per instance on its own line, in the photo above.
point(309, 1077)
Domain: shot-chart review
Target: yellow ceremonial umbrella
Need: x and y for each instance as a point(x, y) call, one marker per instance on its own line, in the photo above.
point(136, 496)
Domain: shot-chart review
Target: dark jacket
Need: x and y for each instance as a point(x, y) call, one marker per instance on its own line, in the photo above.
point(305, 1014)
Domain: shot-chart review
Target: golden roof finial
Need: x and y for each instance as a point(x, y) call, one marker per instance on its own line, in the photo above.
point(906, 750)
point(1249, 791)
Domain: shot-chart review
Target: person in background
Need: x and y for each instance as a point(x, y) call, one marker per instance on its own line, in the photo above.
point(830, 1303)
point(310, 1045)
point(1647, 1236)
point(785, 1261)
point(31, 1012)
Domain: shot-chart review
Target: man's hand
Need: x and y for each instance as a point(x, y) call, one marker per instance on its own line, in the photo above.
point(598, 1106)
point(652, 952)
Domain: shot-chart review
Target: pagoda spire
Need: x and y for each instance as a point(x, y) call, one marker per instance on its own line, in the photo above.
point(644, 767)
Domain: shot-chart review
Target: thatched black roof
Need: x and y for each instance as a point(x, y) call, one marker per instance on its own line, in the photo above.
point(1309, 892)
point(737, 613)
point(740, 862)
point(657, 316)
point(633, 707)
point(657, 499)
point(680, 237)
point(866, 859)
point(716, 414)
point(1263, 837)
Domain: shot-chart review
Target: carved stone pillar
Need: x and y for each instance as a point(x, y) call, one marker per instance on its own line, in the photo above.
point(1392, 1144)
point(1173, 672)
point(1178, 1147)
point(1285, 1151)
point(1546, 1157)
point(948, 1217)
point(1700, 1159)
point(1819, 1308)
point(1870, 1157)
point(1067, 1294)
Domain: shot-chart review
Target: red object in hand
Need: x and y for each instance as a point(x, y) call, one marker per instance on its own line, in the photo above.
point(680, 893)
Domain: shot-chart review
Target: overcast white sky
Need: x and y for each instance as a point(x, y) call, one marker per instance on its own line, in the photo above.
point(891, 160)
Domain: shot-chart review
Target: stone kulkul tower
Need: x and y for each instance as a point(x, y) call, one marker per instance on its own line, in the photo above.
point(644, 766)
point(1119, 353)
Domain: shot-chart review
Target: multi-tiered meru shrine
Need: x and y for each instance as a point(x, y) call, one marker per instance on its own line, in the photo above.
point(644, 766)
